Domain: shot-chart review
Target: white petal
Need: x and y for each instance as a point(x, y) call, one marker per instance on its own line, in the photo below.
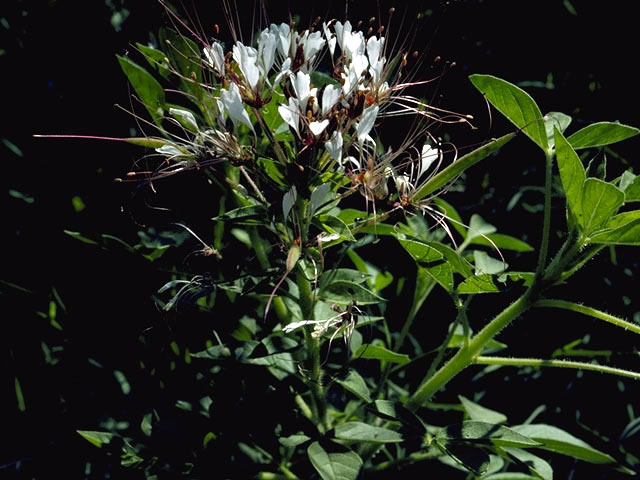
point(330, 97)
point(334, 147)
point(365, 125)
point(301, 85)
point(267, 50)
point(283, 37)
point(185, 116)
point(247, 58)
point(215, 57)
point(374, 48)
point(312, 45)
point(234, 107)
point(290, 114)
point(331, 38)
point(341, 31)
point(427, 157)
point(285, 69)
point(318, 127)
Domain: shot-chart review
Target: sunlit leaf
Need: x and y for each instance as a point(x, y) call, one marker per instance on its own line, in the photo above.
point(421, 252)
point(375, 352)
point(621, 229)
point(515, 104)
point(600, 134)
point(149, 91)
point(600, 201)
point(478, 284)
point(334, 466)
point(361, 432)
point(553, 120)
point(293, 440)
point(155, 58)
point(557, 440)
point(485, 264)
point(572, 173)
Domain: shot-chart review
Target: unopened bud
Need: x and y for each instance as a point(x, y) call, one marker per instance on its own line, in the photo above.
point(216, 29)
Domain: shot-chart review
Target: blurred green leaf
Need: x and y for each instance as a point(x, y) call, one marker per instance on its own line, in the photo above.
point(355, 384)
point(344, 292)
point(334, 466)
point(96, 438)
point(503, 242)
point(485, 264)
point(487, 433)
point(515, 104)
point(293, 440)
point(79, 236)
point(600, 134)
point(362, 432)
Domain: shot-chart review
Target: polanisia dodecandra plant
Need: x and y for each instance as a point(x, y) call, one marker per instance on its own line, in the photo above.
point(287, 125)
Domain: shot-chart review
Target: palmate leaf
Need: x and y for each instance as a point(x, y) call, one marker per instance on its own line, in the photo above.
point(515, 104)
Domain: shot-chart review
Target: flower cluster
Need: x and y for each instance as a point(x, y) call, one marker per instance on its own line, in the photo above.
point(332, 114)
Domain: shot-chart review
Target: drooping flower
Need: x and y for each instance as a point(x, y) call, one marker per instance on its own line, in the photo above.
point(233, 105)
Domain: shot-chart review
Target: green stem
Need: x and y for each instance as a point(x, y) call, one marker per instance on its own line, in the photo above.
point(276, 146)
point(465, 356)
point(537, 362)
point(546, 227)
point(592, 312)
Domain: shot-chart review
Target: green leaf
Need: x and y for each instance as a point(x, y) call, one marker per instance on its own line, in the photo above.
point(344, 292)
point(149, 91)
point(395, 411)
point(452, 215)
point(622, 229)
point(536, 465)
point(355, 384)
point(361, 432)
point(509, 476)
point(515, 104)
point(79, 236)
point(458, 263)
point(631, 190)
point(557, 440)
point(487, 265)
point(97, 438)
point(478, 227)
point(600, 134)
point(421, 252)
point(478, 284)
point(293, 440)
point(272, 170)
point(441, 273)
point(249, 215)
point(318, 196)
point(451, 172)
point(356, 218)
point(484, 433)
point(503, 242)
point(600, 201)
point(375, 352)
point(480, 413)
point(155, 58)
point(555, 120)
point(572, 173)
point(334, 466)
point(320, 79)
point(335, 226)
point(472, 458)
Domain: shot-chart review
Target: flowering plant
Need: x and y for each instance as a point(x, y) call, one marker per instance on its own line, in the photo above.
point(289, 129)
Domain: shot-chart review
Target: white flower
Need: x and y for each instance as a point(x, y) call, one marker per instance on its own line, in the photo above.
point(334, 147)
point(376, 60)
point(427, 157)
point(311, 44)
point(318, 127)
point(365, 125)
point(290, 114)
point(301, 85)
point(266, 51)
point(233, 105)
point(330, 97)
point(283, 38)
point(247, 58)
point(215, 57)
point(186, 116)
point(331, 38)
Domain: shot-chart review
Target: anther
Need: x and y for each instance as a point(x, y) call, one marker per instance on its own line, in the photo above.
point(372, 19)
point(216, 29)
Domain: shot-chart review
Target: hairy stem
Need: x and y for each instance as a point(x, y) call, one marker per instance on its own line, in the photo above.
point(464, 357)
point(592, 312)
point(546, 227)
point(538, 362)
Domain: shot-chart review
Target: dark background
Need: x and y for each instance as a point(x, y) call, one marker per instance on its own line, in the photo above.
point(59, 75)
